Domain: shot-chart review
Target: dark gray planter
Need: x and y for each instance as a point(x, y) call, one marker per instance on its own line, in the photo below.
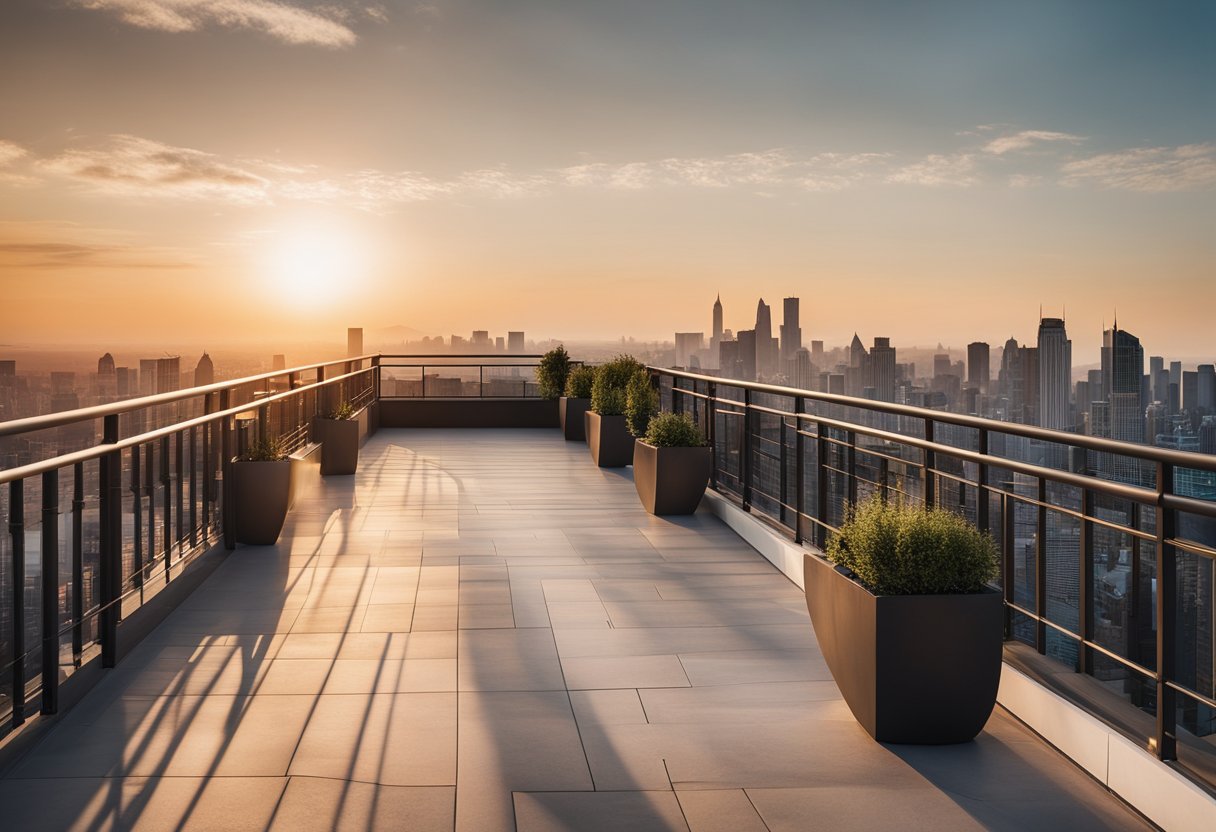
point(671, 480)
point(610, 441)
point(261, 494)
point(571, 411)
point(920, 669)
point(339, 440)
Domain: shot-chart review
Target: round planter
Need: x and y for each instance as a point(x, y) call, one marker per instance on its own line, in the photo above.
point(671, 480)
point(610, 441)
point(261, 493)
point(921, 669)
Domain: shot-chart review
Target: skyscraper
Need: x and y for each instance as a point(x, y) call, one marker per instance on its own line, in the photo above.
point(748, 347)
point(978, 368)
point(168, 374)
point(204, 371)
point(105, 365)
point(791, 331)
point(688, 344)
point(716, 338)
point(766, 344)
point(1122, 370)
point(882, 366)
point(515, 342)
point(1055, 375)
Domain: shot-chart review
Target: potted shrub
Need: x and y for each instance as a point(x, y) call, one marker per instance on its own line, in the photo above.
point(552, 371)
point(338, 433)
point(608, 436)
point(261, 489)
point(671, 465)
point(907, 622)
point(641, 403)
point(573, 406)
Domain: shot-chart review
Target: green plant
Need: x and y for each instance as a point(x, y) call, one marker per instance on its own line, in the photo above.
point(674, 430)
point(552, 371)
point(608, 397)
point(345, 410)
point(266, 449)
point(578, 383)
point(641, 403)
point(900, 549)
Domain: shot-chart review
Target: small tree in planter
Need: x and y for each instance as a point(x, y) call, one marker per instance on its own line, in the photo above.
point(261, 490)
point(552, 371)
point(671, 465)
point(641, 403)
point(338, 433)
point(906, 621)
point(607, 434)
point(574, 404)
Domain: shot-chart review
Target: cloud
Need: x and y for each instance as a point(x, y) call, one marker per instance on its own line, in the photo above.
point(1149, 169)
point(1027, 138)
point(281, 20)
point(52, 245)
point(130, 164)
point(10, 152)
point(937, 171)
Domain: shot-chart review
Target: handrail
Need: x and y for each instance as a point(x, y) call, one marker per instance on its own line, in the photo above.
point(84, 414)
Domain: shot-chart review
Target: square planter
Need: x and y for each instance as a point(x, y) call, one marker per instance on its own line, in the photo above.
point(261, 494)
point(610, 441)
point(920, 669)
point(671, 480)
point(339, 440)
point(570, 413)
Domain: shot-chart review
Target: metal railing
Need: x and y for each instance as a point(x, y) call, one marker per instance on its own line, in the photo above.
point(1107, 548)
point(128, 508)
point(490, 376)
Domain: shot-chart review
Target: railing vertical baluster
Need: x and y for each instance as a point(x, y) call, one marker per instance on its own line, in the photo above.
point(193, 488)
point(711, 430)
point(1166, 738)
point(137, 512)
point(800, 463)
point(1009, 576)
point(1085, 596)
point(166, 483)
point(208, 467)
point(227, 509)
point(16, 529)
point(851, 466)
point(930, 462)
point(77, 562)
point(1040, 571)
point(150, 492)
point(745, 463)
point(783, 484)
point(110, 498)
point(821, 486)
point(179, 485)
point(981, 486)
point(481, 381)
point(50, 592)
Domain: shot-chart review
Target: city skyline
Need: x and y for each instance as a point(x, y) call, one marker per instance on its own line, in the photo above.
point(291, 166)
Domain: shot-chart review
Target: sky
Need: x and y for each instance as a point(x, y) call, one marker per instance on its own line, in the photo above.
point(213, 171)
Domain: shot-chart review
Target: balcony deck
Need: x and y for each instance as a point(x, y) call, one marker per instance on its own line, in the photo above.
point(481, 630)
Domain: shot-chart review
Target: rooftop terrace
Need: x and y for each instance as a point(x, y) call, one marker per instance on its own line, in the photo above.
point(481, 630)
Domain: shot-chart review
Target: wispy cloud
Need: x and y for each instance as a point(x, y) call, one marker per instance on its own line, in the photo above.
point(282, 20)
point(53, 245)
point(140, 166)
point(1027, 138)
point(10, 152)
point(937, 170)
point(1152, 169)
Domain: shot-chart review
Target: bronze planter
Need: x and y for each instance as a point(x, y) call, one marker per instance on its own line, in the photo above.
point(261, 493)
point(339, 440)
point(920, 669)
point(570, 412)
point(610, 441)
point(671, 480)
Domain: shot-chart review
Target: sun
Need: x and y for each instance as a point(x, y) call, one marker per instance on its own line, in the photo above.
point(313, 265)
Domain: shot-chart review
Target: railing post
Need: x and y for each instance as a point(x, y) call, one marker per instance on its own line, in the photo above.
point(851, 466)
point(137, 534)
point(1166, 738)
point(166, 482)
point(745, 448)
point(208, 467)
point(1009, 576)
point(77, 562)
point(375, 377)
point(16, 529)
point(193, 487)
point(50, 592)
point(1040, 571)
point(981, 486)
point(799, 464)
point(930, 460)
point(711, 431)
point(821, 486)
point(1085, 596)
point(227, 509)
point(110, 510)
point(783, 485)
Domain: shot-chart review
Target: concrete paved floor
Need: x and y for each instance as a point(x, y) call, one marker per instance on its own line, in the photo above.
point(481, 630)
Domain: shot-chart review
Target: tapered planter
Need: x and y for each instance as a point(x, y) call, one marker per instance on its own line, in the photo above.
point(339, 440)
point(918, 669)
point(610, 441)
point(570, 412)
point(261, 492)
point(671, 480)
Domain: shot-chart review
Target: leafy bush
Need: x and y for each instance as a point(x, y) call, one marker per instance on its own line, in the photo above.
point(266, 449)
point(608, 397)
point(899, 549)
point(641, 403)
point(552, 371)
point(346, 410)
point(578, 383)
point(674, 430)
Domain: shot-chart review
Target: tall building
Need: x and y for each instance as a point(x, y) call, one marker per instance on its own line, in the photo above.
point(105, 365)
point(1206, 384)
point(515, 342)
point(688, 344)
point(717, 336)
point(481, 340)
point(882, 370)
point(766, 344)
point(168, 374)
point(1122, 370)
point(747, 353)
point(1055, 375)
point(1158, 378)
point(804, 370)
point(204, 371)
point(354, 341)
point(791, 331)
point(147, 376)
point(278, 361)
point(978, 368)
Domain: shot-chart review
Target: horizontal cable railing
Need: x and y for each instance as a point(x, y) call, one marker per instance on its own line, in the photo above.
point(488, 376)
point(1108, 549)
point(116, 511)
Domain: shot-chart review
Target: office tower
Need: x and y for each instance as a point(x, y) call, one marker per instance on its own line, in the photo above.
point(1158, 388)
point(791, 331)
point(1207, 435)
point(147, 376)
point(817, 353)
point(882, 370)
point(105, 365)
point(1029, 357)
point(804, 370)
point(500, 344)
point(729, 364)
point(717, 336)
point(63, 392)
point(481, 340)
point(354, 341)
point(836, 383)
point(978, 370)
point(1190, 391)
point(1176, 373)
point(168, 374)
point(515, 342)
point(204, 371)
point(126, 382)
point(1206, 382)
point(1055, 375)
point(688, 344)
point(941, 364)
point(1156, 422)
point(8, 368)
point(766, 344)
point(277, 362)
point(1122, 369)
point(747, 353)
